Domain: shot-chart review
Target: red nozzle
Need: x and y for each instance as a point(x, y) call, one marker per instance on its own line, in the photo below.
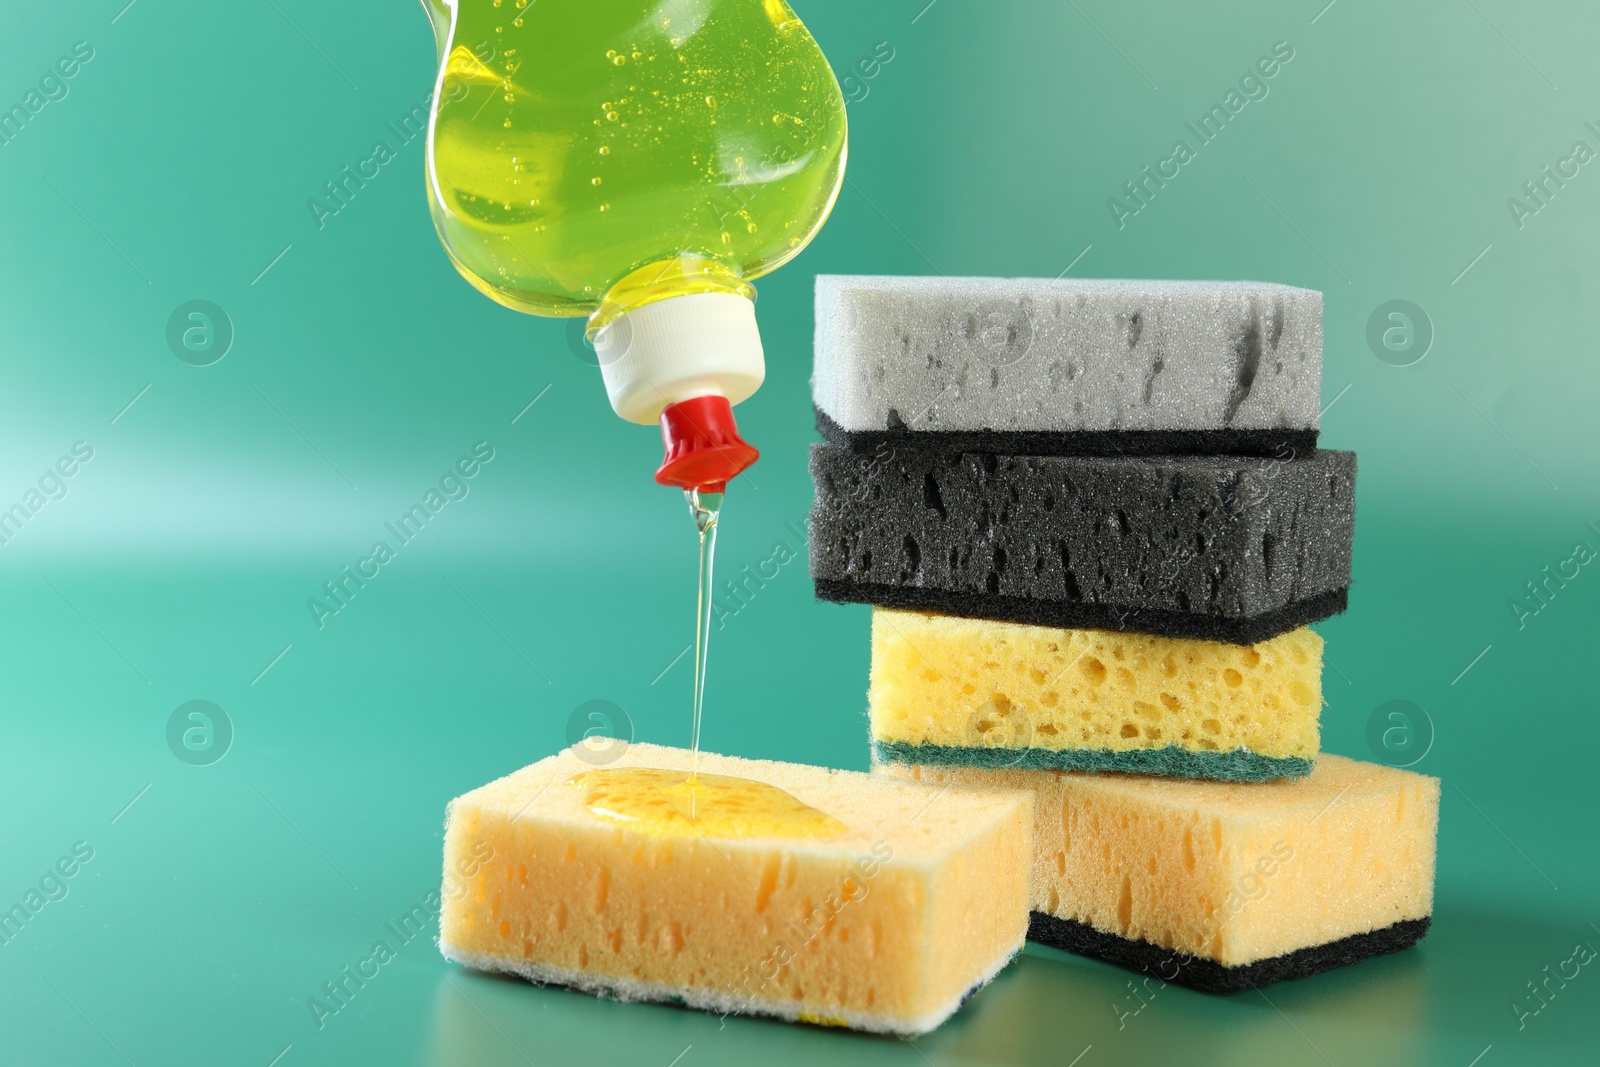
point(703, 445)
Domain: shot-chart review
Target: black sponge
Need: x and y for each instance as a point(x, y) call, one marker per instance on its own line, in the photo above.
point(1210, 976)
point(1222, 548)
point(1276, 442)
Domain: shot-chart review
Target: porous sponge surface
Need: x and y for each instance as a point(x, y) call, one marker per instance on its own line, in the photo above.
point(953, 354)
point(973, 684)
point(1139, 542)
point(1226, 872)
point(885, 926)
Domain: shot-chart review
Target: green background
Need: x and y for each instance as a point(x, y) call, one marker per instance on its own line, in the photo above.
point(179, 563)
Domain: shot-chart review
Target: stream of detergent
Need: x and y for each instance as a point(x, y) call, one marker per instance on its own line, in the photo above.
point(706, 507)
point(650, 799)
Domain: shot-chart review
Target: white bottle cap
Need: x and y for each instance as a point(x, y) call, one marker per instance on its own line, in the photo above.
point(703, 344)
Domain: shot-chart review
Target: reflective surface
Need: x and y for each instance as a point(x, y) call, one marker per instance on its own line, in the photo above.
point(181, 562)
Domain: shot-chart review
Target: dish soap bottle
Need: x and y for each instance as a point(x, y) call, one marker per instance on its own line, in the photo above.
point(640, 162)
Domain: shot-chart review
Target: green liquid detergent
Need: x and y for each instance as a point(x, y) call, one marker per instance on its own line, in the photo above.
point(595, 155)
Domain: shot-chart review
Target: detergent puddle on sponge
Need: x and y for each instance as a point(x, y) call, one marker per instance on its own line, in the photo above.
point(674, 804)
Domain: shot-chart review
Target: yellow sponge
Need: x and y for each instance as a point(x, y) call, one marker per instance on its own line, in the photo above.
point(768, 888)
point(1001, 694)
point(1227, 885)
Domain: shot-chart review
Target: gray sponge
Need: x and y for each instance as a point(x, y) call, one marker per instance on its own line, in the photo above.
point(1223, 548)
point(1028, 366)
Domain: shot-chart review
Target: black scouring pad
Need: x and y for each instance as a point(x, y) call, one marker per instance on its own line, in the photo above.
point(1223, 548)
point(1270, 442)
point(1210, 976)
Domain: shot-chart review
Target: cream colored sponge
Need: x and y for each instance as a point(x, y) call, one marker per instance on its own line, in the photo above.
point(1224, 886)
point(1004, 694)
point(777, 889)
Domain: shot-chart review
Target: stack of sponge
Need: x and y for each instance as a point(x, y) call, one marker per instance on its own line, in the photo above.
point(1093, 522)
